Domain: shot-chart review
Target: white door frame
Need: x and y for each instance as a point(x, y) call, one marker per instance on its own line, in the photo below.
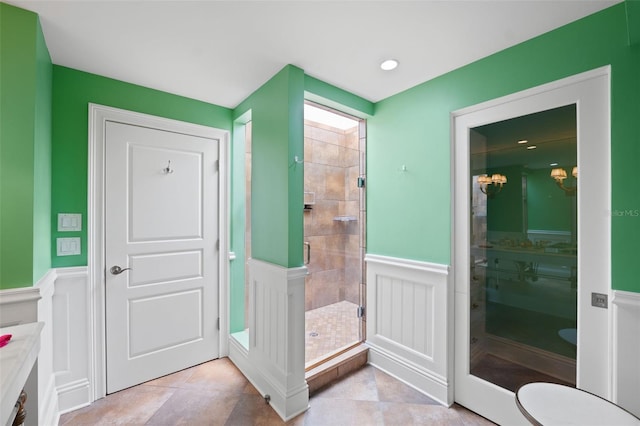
point(591, 92)
point(98, 116)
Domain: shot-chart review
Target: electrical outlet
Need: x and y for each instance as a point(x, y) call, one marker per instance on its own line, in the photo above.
point(599, 300)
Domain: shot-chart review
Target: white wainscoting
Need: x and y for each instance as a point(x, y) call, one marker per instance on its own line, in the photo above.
point(72, 341)
point(408, 318)
point(626, 350)
point(274, 360)
point(34, 304)
point(47, 396)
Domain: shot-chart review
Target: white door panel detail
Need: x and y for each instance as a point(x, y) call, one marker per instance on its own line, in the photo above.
point(161, 228)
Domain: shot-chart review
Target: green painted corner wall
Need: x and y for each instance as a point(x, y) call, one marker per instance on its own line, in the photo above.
point(331, 96)
point(72, 92)
point(42, 161)
point(25, 149)
point(413, 129)
point(276, 184)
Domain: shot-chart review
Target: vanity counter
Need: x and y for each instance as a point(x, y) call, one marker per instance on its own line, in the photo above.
point(16, 361)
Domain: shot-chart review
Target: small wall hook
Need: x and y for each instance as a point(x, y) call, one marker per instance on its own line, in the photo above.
point(298, 160)
point(168, 170)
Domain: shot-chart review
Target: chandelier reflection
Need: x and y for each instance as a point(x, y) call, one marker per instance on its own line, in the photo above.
point(559, 175)
point(491, 185)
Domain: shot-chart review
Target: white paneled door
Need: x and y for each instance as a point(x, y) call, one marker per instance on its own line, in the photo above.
point(161, 254)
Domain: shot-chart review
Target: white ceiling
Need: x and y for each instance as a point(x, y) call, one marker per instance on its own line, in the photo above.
point(222, 51)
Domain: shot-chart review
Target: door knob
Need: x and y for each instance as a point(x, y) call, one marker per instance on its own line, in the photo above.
point(116, 270)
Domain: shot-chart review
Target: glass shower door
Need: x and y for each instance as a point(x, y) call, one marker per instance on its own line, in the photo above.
point(333, 221)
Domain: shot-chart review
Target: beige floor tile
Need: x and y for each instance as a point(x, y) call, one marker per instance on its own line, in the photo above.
point(393, 390)
point(216, 393)
point(133, 406)
point(253, 410)
point(192, 407)
point(359, 385)
point(343, 412)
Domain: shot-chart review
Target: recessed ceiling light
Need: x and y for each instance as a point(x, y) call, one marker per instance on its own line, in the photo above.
point(389, 64)
point(521, 141)
point(531, 147)
point(553, 164)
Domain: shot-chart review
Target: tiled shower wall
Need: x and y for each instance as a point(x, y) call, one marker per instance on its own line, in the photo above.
point(332, 226)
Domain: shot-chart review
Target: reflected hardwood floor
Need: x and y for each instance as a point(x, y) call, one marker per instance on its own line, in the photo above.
point(216, 393)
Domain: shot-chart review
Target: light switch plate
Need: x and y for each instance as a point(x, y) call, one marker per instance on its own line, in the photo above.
point(69, 222)
point(68, 246)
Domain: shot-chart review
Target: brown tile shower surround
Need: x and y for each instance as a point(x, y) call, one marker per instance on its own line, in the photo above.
point(331, 170)
point(216, 393)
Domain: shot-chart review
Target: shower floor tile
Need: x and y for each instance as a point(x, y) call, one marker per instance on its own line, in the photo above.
point(329, 329)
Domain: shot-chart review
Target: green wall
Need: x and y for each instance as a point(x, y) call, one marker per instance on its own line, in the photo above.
point(25, 149)
point(72, 92)
point(549, 208)
point(413, 128)
point(331, 96)
point(505, 210)
point(276, 183)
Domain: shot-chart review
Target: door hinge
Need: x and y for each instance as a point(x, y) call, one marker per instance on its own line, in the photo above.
point(216, 166)
point(218, 324)
point(218, 244)
point(360, 182)
point(360, 311)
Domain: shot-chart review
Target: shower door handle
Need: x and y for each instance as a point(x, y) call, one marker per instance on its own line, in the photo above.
point(307, 244)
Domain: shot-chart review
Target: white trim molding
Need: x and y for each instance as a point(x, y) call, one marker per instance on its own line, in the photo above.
point(626, 350)
point(407, 322)
point(274, 359)
point(19, 306)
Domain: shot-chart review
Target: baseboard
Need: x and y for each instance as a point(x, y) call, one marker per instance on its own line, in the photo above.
point(74, 395)
point(413, 375)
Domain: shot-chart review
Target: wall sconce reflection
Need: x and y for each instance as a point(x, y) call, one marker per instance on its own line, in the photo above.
point(559, 175)
point(496, 179)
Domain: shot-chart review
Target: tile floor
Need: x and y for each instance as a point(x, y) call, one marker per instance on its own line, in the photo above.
point(330, 328)
point(216, 393)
